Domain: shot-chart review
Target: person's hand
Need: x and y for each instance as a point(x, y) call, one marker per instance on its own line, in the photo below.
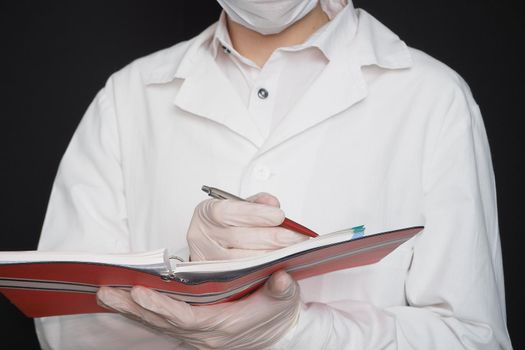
point(255, 322)
point(230, 229)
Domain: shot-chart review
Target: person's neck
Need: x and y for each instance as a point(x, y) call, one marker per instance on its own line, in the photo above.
point(259, 48)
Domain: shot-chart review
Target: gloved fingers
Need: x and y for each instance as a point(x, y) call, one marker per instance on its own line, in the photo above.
point(265, 198)
point(258, 238)
point(114, 299)
point(281, 286)
point(279, 296)
point(205, 249)
point(258, 243)
point(177, 313)
point(230, 254)
point(186, 317)
point(277, 293)
point(225, 254)
point(227, 213)
point(253, 322)
point(121, 302)
point(155, 302)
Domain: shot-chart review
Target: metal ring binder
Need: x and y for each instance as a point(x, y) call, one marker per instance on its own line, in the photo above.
point(169, 275)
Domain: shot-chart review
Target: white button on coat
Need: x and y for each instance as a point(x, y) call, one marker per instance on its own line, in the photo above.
point(262, 172)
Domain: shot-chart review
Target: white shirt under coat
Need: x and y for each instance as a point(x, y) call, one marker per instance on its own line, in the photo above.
point(383, 136)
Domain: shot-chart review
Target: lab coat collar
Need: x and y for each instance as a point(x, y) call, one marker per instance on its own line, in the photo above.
point(342, 84)
point(205, 89)
point(177, 62)
point(375, 44)
point(221, 37)
point(342, 24)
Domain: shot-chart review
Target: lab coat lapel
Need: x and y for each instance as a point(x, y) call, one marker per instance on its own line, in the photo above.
point(340, 86)
point(206, 92)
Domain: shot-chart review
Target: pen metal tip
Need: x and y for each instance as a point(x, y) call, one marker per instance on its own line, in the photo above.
point(206, 189)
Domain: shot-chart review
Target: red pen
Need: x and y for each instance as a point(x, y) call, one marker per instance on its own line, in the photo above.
point(287, 223)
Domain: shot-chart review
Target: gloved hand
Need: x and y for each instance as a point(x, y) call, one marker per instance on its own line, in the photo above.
point(255, 322)
point(230, 229)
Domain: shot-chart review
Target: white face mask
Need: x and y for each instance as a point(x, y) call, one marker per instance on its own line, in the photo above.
point(267, 16)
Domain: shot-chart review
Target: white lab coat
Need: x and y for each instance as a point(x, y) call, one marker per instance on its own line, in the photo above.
point(386, 137)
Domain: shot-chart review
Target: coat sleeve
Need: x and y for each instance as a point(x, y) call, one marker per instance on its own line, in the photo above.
point(454, 285)
point(87, 209)
point(87, 212)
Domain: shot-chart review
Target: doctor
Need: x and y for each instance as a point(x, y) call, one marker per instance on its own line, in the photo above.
point(322, 106)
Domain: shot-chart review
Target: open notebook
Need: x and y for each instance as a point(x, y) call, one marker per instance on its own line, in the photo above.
point(61, 283)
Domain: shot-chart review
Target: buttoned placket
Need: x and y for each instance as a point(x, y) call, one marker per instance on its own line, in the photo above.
point(262, 86)
point(261, 106)
point(269, 101)
point(263, 93)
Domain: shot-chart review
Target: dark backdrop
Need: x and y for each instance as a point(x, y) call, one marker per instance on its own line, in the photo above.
point(55, 56)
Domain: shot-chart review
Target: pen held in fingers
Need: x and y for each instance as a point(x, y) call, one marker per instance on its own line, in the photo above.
point(287, 223)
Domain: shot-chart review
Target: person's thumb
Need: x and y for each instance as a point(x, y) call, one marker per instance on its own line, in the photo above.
point(282, 286)
point(265, 198)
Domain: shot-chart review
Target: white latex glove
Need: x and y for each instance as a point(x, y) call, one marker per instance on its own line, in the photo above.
point(255, 322)
point(230, 229)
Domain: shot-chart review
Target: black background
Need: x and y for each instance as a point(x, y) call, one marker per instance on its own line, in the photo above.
point(55, 56)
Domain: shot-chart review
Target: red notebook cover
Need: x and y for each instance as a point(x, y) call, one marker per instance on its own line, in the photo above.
point(60, 288)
